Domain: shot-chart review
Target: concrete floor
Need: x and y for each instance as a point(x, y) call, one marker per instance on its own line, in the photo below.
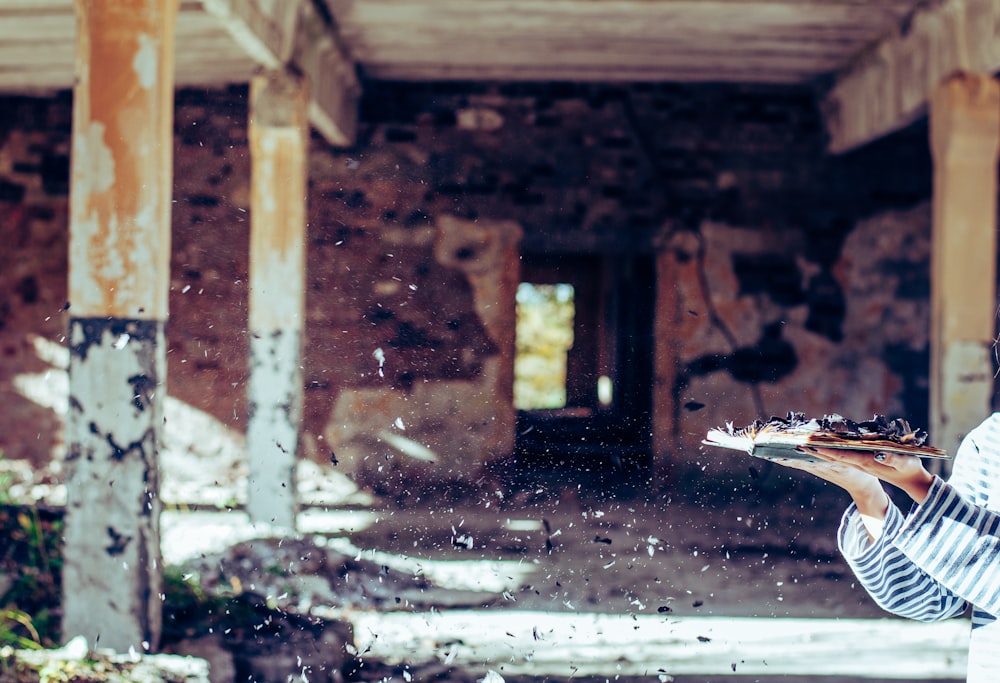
point(576, 587)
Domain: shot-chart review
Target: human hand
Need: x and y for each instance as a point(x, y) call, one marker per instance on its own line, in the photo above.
point(906, 472)
point(865, 488)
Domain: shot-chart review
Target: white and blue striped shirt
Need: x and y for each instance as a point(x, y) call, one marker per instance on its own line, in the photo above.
point(944, 556)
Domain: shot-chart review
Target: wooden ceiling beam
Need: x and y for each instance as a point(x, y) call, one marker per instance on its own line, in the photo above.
point(586, 73)
point(265, 30)
point(278, 33)
point(888, 87)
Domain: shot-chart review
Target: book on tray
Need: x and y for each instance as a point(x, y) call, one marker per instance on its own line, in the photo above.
point(781, 438)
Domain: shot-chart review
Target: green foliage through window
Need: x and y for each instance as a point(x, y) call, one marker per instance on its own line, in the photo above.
point(544, 335)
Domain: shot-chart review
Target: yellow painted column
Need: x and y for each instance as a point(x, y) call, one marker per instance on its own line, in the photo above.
point(279, 138)
point(965, 135)
point(119, 257)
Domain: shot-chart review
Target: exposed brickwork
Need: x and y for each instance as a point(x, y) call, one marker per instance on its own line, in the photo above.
point(34, 215)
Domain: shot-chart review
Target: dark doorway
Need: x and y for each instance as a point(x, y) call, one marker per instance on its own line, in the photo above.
point(601, 434)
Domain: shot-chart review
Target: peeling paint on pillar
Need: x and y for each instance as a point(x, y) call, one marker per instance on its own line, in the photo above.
point(279, 136)
point(275, 408)
point(114, 431)
point(119, 256)
point(122, 156)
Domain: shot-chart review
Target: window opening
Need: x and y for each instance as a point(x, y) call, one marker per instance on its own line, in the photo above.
point(605, 390)
point(544, 335)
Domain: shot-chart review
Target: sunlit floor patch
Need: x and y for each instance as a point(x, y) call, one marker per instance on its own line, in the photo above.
point(522, 525)
point(515, 642)
point(317, 521)
point(202, 460)
point(487, 576)
point(186, 534)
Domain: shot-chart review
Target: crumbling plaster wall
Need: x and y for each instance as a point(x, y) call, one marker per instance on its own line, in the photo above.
point(874, 362)
point(787, 282)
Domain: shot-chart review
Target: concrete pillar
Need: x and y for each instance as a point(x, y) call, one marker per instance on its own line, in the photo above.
point(965, 135)
point(279, 137)
point(119, 257)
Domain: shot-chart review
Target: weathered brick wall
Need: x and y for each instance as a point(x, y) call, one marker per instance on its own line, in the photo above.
point(801, 282)
point(34, 217)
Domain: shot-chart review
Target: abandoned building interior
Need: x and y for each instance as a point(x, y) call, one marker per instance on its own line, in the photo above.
point(319, 227)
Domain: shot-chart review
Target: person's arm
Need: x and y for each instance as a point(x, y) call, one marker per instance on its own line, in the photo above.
point(870, 499)
point(947, 536)
point(905, 472)
point(957, 543)
point(891, 578)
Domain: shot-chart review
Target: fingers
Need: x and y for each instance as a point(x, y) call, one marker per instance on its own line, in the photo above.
point(860, 459)
point(906, 472)
point(797, 463)
point(817, 461)
point(827, 454)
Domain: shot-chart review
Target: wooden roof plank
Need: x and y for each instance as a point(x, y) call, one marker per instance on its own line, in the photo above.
point(579, 36)
point(577, 73)
point(644, 16)
point(490, 47)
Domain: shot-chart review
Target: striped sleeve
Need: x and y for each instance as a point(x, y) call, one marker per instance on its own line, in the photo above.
point(957, 544)
point(894, 581)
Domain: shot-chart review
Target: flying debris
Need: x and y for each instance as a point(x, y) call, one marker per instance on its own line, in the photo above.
point(491, 677)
